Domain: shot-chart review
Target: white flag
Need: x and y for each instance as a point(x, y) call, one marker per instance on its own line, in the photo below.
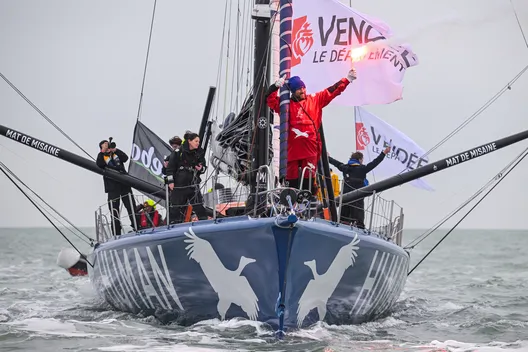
point(372, 134)
point(328, 38)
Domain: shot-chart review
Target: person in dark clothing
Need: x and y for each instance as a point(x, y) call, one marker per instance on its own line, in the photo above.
point(110, 157)
point(355, 175)
point(175, 143)
point(183, 176)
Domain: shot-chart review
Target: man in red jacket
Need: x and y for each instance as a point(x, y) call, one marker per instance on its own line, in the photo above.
point(304, 143)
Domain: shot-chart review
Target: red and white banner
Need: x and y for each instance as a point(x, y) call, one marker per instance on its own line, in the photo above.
point(328, 38)
point(372, 134)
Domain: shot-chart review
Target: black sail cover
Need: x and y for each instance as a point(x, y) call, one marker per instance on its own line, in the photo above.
point(146, 158)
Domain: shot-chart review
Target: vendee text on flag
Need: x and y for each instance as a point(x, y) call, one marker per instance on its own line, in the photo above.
point(329, 38)
point(373, 135)
point(409, 158)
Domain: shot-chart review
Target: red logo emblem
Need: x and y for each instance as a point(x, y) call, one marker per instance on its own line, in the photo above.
point(302, 39)
point(362, 137)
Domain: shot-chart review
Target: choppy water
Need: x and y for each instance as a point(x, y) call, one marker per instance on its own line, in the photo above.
point(469, 295)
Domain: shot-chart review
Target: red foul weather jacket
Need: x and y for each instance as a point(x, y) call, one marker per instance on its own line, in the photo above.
point(305, 119)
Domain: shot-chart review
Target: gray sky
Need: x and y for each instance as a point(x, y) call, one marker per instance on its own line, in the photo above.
point(82, 64)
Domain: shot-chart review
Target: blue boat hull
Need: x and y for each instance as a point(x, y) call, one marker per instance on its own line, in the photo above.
point(251, 268)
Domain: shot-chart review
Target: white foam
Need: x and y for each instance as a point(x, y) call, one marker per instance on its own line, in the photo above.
point(261, 329)
point(150, 347)
point(457, 346)
point(52, 327)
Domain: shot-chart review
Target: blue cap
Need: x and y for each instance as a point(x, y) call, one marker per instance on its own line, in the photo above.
point(295, 83)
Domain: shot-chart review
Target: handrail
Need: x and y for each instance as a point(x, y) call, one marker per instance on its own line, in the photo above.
point(382, 216)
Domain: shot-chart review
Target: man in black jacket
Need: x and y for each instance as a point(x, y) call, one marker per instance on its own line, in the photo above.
point(175, 143)
point(355, 175)
point(112, 158)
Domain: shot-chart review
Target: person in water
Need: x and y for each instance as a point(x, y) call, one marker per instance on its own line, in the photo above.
point(304, 144)
point(183, 176)
point(355, 175)
point(110, 157)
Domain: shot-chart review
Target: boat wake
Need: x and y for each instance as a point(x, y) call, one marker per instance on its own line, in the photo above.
point(85, 321)
point(43, 308)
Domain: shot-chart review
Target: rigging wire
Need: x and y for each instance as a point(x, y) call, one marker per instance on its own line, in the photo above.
point(23, 159)
point(426, 234)
point(420, 238)
point(215, 111)
point(42, 114)
point(525, 153)
point(263, 79)
point(146, 61)
point(507, 87)
point(245, 35)
point(3, 168)
point(227, 59)
point(236, 61)
point(519, 23)
point(489, 102)
point(40, 198)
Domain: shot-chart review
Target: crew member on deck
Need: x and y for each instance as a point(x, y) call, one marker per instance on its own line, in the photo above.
point(175, 143)
point(304, 144)
point(112, 158)
point(355, 175)
point(183, 176)
point(149, 216)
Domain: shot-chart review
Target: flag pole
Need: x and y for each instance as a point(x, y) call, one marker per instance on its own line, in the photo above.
point(327, 177)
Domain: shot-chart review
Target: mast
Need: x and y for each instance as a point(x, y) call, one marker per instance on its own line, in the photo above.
point(284, 242)
point(206, 113)
point(439, 165)
point(286, 13)
point(261, 111)
point(204, 132)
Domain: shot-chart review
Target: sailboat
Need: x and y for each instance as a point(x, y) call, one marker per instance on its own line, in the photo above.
point(276, 263)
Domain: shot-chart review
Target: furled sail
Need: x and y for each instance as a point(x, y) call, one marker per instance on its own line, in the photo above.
point(233, 144)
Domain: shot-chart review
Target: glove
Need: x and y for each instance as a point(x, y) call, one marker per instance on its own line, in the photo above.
point(351, 75)
point(280, 82)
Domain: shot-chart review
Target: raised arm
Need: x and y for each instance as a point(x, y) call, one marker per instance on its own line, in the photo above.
point(272, 99)
point(370, 166)
point(101, 162)
point(342, 167)
point(325, 96)
point(122, 155)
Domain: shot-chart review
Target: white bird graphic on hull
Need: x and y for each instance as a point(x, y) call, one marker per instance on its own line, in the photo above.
point(228, 284)
point(321, 287)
